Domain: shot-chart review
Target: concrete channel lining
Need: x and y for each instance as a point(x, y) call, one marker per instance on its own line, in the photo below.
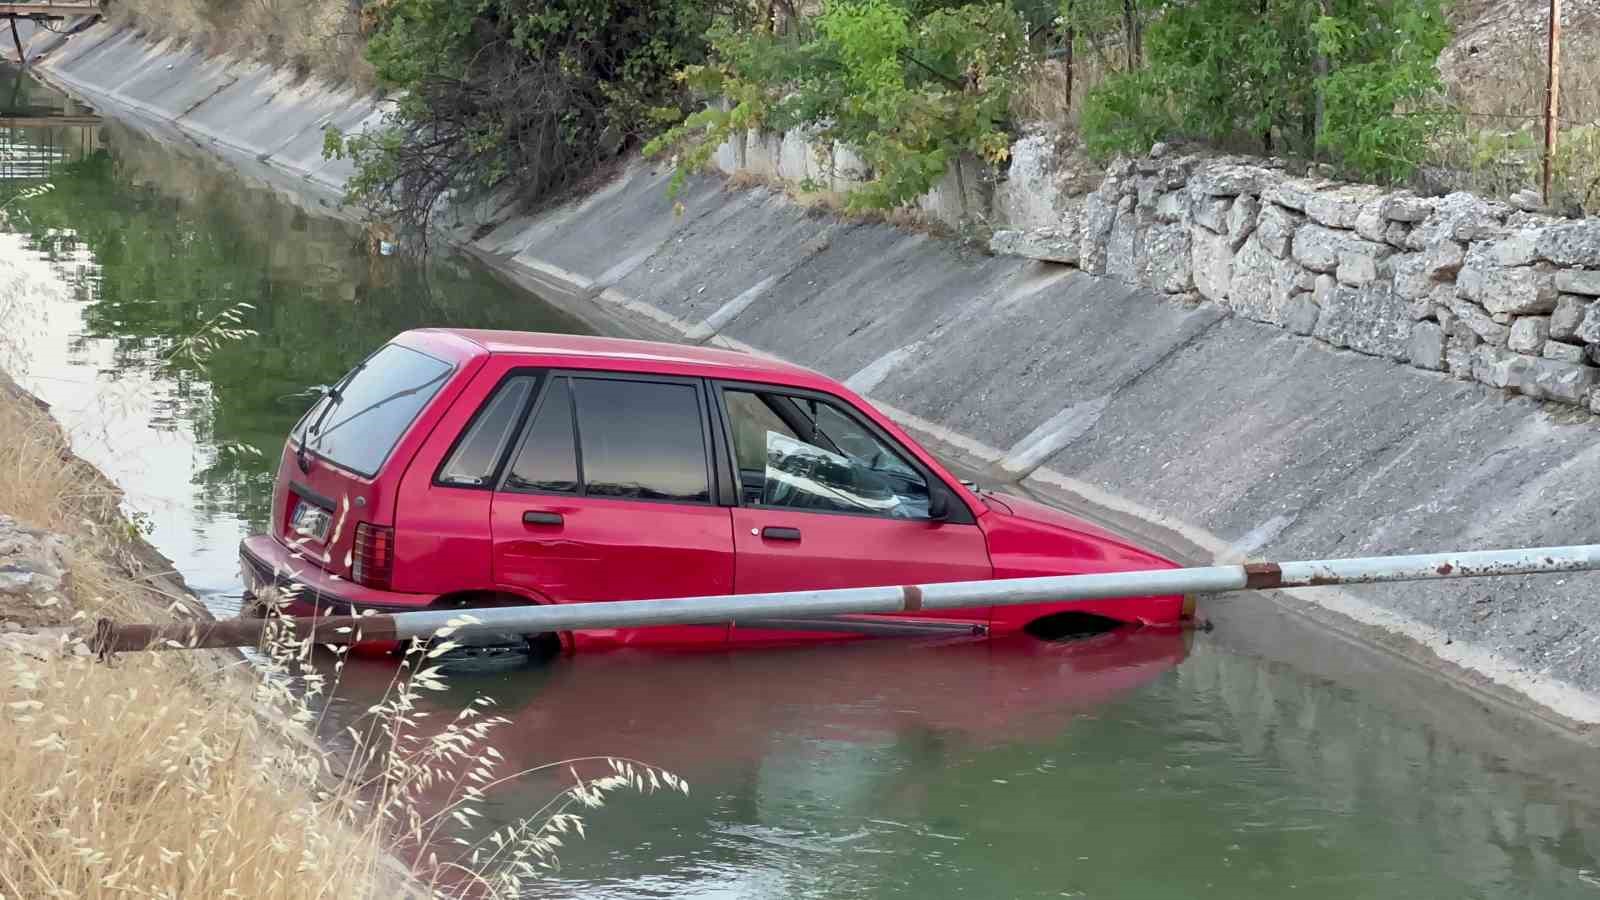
point(1239, 434)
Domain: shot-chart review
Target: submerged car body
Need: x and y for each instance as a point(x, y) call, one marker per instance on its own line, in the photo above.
point(459, 468)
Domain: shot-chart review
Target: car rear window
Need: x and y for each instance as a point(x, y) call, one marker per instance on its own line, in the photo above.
point(358, 425)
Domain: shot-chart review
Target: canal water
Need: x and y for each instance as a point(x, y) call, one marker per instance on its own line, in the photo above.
point(1264, 759)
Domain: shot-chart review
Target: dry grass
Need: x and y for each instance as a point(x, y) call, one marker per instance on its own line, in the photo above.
point(313, 37)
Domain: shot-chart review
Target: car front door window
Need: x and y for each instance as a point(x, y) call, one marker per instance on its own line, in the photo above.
point(809, 454)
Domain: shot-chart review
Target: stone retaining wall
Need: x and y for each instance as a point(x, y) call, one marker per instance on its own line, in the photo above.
point(1453, 284)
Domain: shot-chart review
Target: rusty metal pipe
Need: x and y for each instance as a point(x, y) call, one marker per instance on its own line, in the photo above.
point(843, 601)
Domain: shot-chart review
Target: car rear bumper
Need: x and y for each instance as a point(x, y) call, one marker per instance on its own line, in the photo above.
point(264, 563)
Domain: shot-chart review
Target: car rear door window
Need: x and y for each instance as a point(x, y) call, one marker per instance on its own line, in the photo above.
point(477, 455)
point(548, 457)
point(641, 439)
point(813, 455)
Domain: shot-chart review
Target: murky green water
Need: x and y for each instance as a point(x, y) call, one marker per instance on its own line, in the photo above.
point(1262, 760)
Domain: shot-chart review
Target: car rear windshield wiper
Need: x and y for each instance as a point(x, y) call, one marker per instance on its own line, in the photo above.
point(330, 398)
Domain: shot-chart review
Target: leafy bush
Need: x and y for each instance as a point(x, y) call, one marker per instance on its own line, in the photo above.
point(908, 87)
point(1354, 78)
point(535, 93)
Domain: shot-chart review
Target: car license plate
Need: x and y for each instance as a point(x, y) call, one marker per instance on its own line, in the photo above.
point(310, 521)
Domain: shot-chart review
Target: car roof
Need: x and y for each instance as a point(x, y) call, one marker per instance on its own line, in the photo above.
point(583, 351)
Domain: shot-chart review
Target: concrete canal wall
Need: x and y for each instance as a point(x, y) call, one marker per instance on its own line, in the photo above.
point(1199, 419)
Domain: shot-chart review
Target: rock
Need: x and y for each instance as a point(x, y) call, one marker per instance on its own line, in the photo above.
point(1122, 248)
point(1427, 346)
point(1321, 249)
point(1357, 269)
point(1578, 281)
point(1564, 352)
point(1159, 149)
point(1370, 319)
point(1422, 310)
point(1572, 244)
point(1459, 217)
point(1262, 283)
point(1228, 180)
point(1568, 315)
point(1047, 244)
point(1589, 328)
point(1210, 212)
point(1460, 350)
point(1322, 290)
point(1301, 316)
point(1499, 367)
point(1472, 317)
point(1340, 207)
point(1242, 220)
point(1567, 382)
point(1502, 289)
point(1517, 249)
point(1099, 214)
point(1528, 334)
point(1306, 281)
point(1292, 193)
point(1407, 208)
point(1443, 260)
point(1397, 235)
point(1594, 401)
point(1212, 263)
point(1411, 277)
point(1527, 200)
point(33, 573)
point(1371, 224)
point(1276, 226)
point(1166, 257)
point(1171, 206)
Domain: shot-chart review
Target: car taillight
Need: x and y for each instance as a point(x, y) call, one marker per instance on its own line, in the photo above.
point(372, 562)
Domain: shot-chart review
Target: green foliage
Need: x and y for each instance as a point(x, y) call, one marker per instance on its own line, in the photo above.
point(1255, 72)
point(1380, 96)
point(542, 90)
point(909, 87)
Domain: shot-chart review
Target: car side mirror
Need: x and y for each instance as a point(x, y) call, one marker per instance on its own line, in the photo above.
point(938, 505)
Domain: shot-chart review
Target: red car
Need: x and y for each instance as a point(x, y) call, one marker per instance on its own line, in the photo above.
point(467, 468)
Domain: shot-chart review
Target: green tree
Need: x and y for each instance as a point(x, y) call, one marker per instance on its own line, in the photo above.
point(908, 86)
point(1350, 78)
point(531, 94)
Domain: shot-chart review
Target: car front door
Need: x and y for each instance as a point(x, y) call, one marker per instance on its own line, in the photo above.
point(827, 500)
point(608, 496)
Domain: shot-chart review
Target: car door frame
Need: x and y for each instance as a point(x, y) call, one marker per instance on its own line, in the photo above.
point(716, 473)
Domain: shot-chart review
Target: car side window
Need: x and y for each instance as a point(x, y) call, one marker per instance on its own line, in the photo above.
point(804, 453)
point(473, 462)
point(642, 440)
point(548, 457)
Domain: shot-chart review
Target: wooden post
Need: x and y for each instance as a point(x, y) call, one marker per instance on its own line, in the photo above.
point(1552, 96)
point(1071, 39)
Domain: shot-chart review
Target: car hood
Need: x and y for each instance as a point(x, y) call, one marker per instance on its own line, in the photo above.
point(1048, 517)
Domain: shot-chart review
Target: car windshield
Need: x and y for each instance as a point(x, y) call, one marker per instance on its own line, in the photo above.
point(359, 420)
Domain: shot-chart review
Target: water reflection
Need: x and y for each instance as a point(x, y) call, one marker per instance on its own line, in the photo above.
point(1130, 765)
point(152, 241)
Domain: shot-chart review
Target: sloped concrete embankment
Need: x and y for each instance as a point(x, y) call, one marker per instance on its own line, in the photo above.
point(1219, 436)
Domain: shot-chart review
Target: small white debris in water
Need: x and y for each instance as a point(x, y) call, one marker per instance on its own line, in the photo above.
point(1000, 781)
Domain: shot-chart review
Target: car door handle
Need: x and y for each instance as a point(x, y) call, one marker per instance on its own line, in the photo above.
point(539, 517)
point(780, 533)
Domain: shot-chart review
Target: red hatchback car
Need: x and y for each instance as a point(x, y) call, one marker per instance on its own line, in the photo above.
point(466, 468)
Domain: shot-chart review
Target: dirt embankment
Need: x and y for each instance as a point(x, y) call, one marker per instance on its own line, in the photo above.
point(155, 774)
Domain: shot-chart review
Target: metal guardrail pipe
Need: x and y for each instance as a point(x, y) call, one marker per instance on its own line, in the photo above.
point(112, 637)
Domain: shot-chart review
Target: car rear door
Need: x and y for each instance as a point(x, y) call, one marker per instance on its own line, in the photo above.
point(828, 500)
point(609, 496)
